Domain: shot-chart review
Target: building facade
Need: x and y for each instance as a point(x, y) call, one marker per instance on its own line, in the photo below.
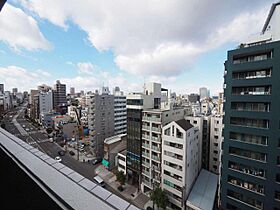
point(59, 97)
point(152, 122)
point(251, 148)
point(180, 166)
point(215, 144)
point(119, 112)
point(100, 120)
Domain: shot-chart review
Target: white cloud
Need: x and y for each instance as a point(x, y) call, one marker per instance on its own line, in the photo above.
point(41, 72)
point(14, 76)
point(152, 37)
point(19, 30)
point(86, 68)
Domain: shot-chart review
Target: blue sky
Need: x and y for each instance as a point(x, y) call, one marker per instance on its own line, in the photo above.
point(88, 44)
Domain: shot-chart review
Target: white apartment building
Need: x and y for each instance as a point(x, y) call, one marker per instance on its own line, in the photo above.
point(215, 146)
point(45, 101)
point(152, 122)
point(121, 160)
point(203, 125)
point(119, 112)
point(180, 161)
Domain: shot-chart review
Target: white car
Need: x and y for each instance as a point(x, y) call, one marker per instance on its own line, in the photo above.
point(58, 159)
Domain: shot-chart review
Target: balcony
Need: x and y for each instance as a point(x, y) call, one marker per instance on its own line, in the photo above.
point(146, 146)
point(149, 184)
point(157, 129)
point(146, 173)
point(145, 154)
point(146, 137)
point(156, 148)
point(157, 139)
point(156, 158)
point(151, 119)
point(146, 164)
point(146, 127)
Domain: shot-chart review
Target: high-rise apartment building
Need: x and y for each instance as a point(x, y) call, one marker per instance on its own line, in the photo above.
point(100, 119)
point(203, 93)
point(136, 103)
point(45, 101)
point(119, 111)
point(215, 144)
point(203, 124)
point(72, 91)
point(2, 88)
point(251, 148)
point(59, 97)
point(180, 156)
point(152, 122)
point(14, 90)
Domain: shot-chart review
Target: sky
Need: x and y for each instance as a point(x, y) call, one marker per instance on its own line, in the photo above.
point(87, 44)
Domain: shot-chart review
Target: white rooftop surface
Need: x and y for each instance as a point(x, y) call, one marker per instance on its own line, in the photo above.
point(203, 192)
point(113, 139)
point(77, 191)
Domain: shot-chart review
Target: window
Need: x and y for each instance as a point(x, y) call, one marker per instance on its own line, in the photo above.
point(278, 178)
point(249, 138)
point(170, 184)
point(215, 152)
point(215, 159)
point(167, 132)
point(248, 154)
point(179, 134)
point(244, 198)
point(248, 122)
point(247, 169)
point(171, 144)
point(247, 185)
point(277, 195)
point(252, 74)
point(250, 106)
point(252, 58)
point(252, 90)
point(173, 155)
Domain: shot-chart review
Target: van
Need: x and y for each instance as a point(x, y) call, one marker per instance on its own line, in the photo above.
point(98, 180)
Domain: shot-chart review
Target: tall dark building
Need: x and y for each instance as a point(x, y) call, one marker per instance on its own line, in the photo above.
point(251, 148)
point(1, 88)
point(135, 104)
point(59, 97)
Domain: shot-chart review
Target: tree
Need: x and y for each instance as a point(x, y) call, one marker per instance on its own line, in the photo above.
point(120, 177)
point(158, 196)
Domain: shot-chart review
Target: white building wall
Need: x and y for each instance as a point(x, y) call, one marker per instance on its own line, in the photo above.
point(216, 139)
point(45, 102)
point(187, 168)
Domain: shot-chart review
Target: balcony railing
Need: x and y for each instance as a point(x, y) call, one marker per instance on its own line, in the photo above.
point(146, 146)
point(156, 148)
point(155, 139)
point(145, 154)
point(154, 157)
point(146, 127)
point(156, 129)
point(155, 119)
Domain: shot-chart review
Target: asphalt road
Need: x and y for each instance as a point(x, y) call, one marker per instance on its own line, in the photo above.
point(38, 139)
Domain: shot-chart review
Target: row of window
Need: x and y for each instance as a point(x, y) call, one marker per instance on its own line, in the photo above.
point(248, 122)
point(173, 165)
point(246, 199)
point(246, 169)
point(247, 154)
point(252, 58)
point(246, 185)
point(250, 106)
point(174, 176)
point(254, 90)
point(170, 184)
point(248, 138)
point(173, 155)
point(252, 74)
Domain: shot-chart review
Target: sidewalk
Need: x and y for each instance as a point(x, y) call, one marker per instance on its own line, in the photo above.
point(130, 192)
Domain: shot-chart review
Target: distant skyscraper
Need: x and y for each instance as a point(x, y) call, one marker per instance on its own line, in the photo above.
point(203, 93)
point(251, 147)
point(1, 88)
point(59, 96)
point(72, 91)
point(14, 90)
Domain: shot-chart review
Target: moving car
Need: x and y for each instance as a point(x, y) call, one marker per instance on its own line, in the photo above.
point(71, 152)
point(58, 159)
point(96, 160)
point(61, 153)
point(98, 180)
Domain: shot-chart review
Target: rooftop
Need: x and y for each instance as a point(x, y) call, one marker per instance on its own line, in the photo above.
point(202, 195)
point(114, 139)
point(184, 124)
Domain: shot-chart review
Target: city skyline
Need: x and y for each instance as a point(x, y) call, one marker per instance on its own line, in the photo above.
point(64, 45)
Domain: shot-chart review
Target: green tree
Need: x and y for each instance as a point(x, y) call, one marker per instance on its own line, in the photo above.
point(120, 177)
point(158, 196)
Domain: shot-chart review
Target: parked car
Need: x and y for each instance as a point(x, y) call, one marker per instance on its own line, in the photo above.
point(61, 153)
point(71, 152)
point(58, 159)
point(96, 160)
point(98, 180)
point(51, 139)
